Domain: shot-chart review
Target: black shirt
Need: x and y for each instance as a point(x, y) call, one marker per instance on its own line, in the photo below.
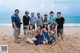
point(60, 22)
point(26, 20)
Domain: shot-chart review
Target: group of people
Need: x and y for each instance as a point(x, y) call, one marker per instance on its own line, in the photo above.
point(38, 30)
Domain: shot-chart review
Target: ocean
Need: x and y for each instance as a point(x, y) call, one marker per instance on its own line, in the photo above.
point(69, 21)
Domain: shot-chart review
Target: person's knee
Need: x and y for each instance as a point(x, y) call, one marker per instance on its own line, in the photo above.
point(30, 41)
point(24, 31)
point(44, 42)
point(34, 39)
point(16, 36)
point(57, 34)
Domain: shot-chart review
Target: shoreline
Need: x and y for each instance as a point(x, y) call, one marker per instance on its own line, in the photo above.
point(66, 24)
point(67, 30)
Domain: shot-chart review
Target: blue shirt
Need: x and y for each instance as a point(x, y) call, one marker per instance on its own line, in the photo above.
point(40, 21)
point(17, 21)
point(33, 20)
point(52, 20)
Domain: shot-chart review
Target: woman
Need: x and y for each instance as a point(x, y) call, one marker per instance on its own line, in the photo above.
point(52, 34)
point(39, 35)
point(30, 35)
point(45, 31)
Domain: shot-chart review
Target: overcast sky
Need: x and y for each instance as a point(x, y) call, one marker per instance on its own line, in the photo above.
point(67, 7)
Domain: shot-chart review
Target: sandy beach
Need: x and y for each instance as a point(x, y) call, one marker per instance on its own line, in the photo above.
point(71, 43)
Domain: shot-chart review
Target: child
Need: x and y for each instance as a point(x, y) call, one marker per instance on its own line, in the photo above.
point(39, 35)
point(46, 36)
point(52, 34)
point(30, 35)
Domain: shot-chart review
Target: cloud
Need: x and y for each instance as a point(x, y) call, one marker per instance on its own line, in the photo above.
point(37, 6)
point(65, 8)
point(11, 4)
point(42, 6)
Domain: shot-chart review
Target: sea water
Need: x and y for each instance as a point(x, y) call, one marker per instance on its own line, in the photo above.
point(69, 20)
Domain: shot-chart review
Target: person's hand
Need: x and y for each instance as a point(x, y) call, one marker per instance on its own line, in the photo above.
point(16, 28)
point(21, 23)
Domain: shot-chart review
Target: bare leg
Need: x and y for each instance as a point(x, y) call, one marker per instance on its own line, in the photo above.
point(19, 32)
point(61, 36)
point(57, 35)
point(24, 31)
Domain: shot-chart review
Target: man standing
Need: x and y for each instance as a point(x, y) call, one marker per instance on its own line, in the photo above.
point(26, 20)
point(60, 21)
point(32, 20)
point(52, 19)
point(16, 24)
point(39, 20)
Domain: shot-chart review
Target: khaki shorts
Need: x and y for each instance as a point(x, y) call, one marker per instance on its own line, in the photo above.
point(16, 33)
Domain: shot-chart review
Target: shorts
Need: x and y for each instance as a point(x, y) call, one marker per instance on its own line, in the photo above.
point(60, 31)
point(16, 33)
point(25, 29)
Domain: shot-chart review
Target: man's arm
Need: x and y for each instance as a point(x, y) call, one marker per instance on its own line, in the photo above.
point(63, 20)
point(14, 24)
point(23, 19)
point(13, 21)
point(42, 19)
point(56, 23)
point(37, 21)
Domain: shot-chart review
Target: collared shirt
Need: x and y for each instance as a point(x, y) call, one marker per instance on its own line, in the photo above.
point(52, 20)
point(40, 21)
point(33, 20)
point(17, 21)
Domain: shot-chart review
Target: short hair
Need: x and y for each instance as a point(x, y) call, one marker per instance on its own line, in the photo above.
point(38, 13)
point(32, 13)
point(58, 12)
point(51, 12)
point(26, 12)
point(16, 10)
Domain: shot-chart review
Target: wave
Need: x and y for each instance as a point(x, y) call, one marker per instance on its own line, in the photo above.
point(66, 24)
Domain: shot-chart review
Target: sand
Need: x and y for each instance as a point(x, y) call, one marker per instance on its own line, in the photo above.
point(71, 43)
